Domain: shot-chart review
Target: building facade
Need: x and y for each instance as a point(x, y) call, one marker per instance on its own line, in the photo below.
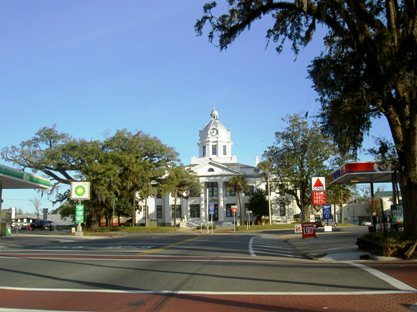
point(214, 166)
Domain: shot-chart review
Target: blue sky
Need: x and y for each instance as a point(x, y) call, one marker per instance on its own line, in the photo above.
point(92, 67)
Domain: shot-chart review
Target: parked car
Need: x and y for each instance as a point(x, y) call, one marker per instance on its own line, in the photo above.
point(318, 222)
point(42, 225)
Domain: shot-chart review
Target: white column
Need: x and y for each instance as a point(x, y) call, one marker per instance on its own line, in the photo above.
point(221, 200)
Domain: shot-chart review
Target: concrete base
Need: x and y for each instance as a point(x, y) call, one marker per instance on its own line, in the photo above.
point(79, 233)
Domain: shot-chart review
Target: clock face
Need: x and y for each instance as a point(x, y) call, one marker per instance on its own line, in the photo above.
point(213, 131)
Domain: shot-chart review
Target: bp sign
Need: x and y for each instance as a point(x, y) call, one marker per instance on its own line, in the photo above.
point(80, 190)
point(79, 213)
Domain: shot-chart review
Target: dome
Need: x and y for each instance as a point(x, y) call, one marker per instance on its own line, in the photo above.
point(214, 114)
point(215, 140)
point(214, 129)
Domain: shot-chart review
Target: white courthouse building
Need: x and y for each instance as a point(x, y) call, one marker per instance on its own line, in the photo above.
point(214, 166)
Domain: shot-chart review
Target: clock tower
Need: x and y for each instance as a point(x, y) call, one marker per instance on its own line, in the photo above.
point(215, 142)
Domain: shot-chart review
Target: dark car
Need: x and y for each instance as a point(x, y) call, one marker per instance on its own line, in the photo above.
point(318, 222)
point(42, 225)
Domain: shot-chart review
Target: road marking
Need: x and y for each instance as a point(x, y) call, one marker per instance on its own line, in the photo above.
point(386, 278)
point(31, 310)
point(215, 293)
point(251, 251)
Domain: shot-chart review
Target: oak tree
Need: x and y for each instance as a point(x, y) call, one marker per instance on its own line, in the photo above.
point(368, 69)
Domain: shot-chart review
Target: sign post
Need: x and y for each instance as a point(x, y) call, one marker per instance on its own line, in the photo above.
point(234, 211)
point(248, 221)
point(211, 212)
point(80, 191)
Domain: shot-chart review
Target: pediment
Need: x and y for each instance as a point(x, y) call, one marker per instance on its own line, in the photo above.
point(213, 168)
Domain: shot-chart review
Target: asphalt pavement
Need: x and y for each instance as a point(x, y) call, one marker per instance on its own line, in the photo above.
point(337, 245)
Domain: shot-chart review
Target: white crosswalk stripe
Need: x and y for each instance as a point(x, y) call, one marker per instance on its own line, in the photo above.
point(262, 246)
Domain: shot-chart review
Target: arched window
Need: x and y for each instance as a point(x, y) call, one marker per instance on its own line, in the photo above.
point(210, 170)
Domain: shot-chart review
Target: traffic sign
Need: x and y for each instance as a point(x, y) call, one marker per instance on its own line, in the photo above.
point(234, 209)
point(211, 208)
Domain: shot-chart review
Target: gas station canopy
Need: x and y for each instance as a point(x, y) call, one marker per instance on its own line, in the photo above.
point(15, 179)
point(361, 172)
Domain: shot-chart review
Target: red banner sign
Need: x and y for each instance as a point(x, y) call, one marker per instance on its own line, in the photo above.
point(319, 198)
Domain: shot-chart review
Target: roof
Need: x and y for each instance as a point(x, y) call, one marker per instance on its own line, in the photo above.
point(16, 179)
point(361, 172)
point(223, 169)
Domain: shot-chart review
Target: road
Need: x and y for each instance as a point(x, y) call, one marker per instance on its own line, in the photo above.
point(185, 271)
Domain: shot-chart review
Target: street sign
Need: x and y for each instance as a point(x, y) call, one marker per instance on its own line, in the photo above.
point(318, 198)
point(211, 208)
point(318, 184)
point(79, 213)
point(234, 209)
point(327, 212)
point(80, 190)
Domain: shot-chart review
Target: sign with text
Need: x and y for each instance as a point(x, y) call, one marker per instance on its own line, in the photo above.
point(318, 184)
point(308, 229)
point(397, 214)
point(318, 198)
point(327, 212)
point(79, 213)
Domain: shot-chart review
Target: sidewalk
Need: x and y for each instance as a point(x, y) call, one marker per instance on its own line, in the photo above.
point(340, 245)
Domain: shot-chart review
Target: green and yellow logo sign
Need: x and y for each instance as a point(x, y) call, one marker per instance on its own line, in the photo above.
point(80, 190)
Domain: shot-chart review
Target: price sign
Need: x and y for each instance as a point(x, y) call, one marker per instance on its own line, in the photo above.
point(319, 198)
point(308, 229)
point(327, 212)
point(79, 213)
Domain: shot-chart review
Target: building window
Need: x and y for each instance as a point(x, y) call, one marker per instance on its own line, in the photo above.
point(159, 211)
point(224, 150)
point(194, 192)
point(210, 170)
point(213, 189)
point(178, 211)
point(282, 210)
point(214, 150)
point(204, 151)
point(229, 190)
point(194, 211)
point(229, 212)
